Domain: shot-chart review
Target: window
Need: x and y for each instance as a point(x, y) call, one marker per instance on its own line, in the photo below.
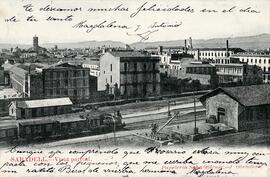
point(48, 127)
point(75, 82)
point(75, 92)
point(125, 66)
point(58, 91)
point(11, 133)
point(154, 66)
point(84, 83)
point(2, 133)
point(135, 66)
point(34, 112)
point(55, 110)
point(41, 111)
point(66, 92)
point(154, 87)
point(111, 78)
point(74, 74)
point(66, 83)
point(27, 130)
point(58, 74)
point(111, 67)
point(66, 73)
point(51, 74)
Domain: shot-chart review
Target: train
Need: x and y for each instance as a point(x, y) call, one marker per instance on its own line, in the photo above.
point(62, 126)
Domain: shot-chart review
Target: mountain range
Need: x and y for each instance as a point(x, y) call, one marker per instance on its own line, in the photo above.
point(261, 41)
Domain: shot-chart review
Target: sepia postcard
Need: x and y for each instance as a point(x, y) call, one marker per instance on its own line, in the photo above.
point(135, 88)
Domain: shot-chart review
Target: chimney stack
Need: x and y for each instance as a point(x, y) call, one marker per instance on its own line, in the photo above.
point(227, 48)
point(160, 50)
point(185, 46)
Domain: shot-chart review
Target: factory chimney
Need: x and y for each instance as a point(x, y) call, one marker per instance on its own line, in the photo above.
point(160, 48)
point(185, 50)
point(227, 48)
point(190, 43)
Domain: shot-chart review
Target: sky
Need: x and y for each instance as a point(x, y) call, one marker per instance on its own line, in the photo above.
point(198, 25)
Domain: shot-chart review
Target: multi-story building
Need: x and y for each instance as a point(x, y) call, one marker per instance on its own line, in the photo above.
point(65, 80)
point(51, 81)
point(161, 50)
point(135, 73)
point(238, 72)
point(259, 59)
point(214, 53)
point(187, 68)
point(25, 79)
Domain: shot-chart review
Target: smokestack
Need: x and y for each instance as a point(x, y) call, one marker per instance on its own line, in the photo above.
point(185, 45)
point(160, 50)
point(190, 43)
point(227, 48)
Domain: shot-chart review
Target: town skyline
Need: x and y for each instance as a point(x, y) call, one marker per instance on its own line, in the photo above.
point(211, 42)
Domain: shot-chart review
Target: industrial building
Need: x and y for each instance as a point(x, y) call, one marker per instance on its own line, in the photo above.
point(29, 109)
point(242, 108)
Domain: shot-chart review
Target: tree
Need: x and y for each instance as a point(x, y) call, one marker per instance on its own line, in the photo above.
point(117, 91)
point(107, 87)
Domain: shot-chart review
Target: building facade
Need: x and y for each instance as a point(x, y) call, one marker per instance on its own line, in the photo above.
point(239, 72)
point(135, 73)
point(259, 59)
point(213, 53)
point(29, 109)
point(93, 67)
point(65, 80)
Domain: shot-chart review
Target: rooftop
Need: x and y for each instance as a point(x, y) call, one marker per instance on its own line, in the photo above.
point(44, 103)
point(253, 95)
point(92, 62)
point(129, 54)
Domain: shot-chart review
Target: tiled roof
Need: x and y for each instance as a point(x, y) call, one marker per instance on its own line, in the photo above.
point(44, 103)
point(253, 95)
point(92, 62)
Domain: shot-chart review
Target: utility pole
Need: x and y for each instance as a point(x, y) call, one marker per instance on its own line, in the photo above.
point(195, 118)
point(169, 111)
